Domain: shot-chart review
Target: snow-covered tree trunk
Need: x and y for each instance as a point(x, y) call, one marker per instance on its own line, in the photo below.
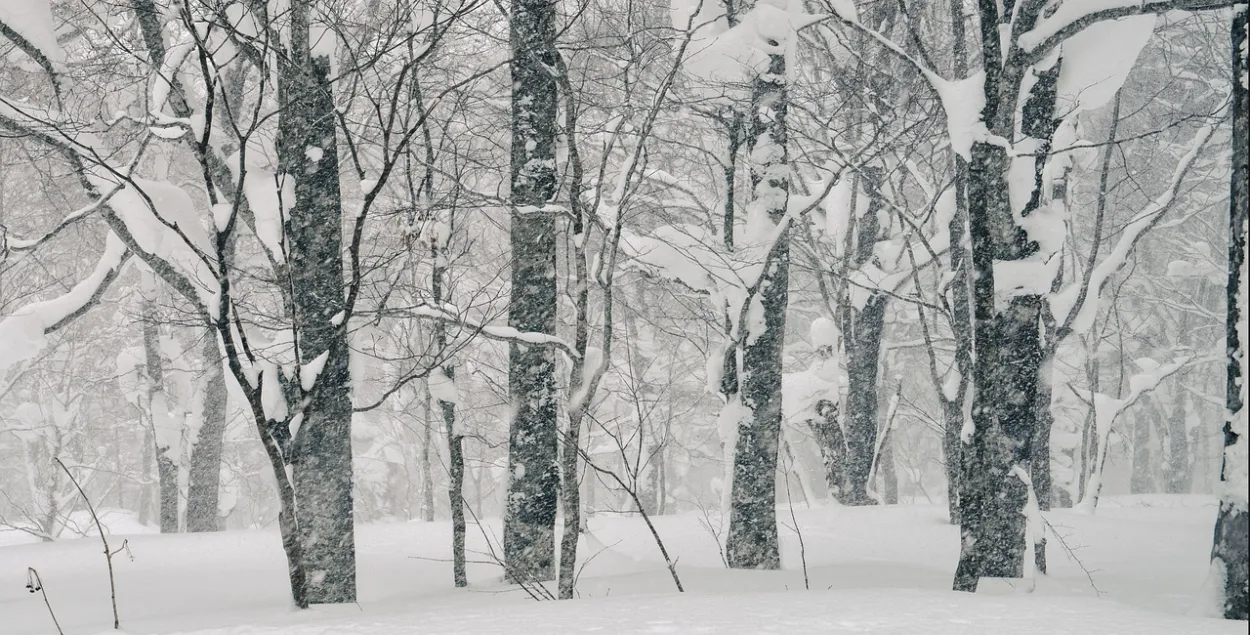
point(204, 480)
point(1008, 325)
point(533, 474)
point(752, 541)
point(954, 402)
point(321, 452)
point(163, 432)
point(447, 409)
point(1230, 554)
point(862, 328)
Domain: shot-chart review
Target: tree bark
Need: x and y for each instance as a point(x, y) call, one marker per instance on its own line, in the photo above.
point(1009, 346)
point(533, 436)
point(204, 480)
point(862, 331)
point(752, 541)
point(1177, 466)
point(1230, 553)
point(321, 453)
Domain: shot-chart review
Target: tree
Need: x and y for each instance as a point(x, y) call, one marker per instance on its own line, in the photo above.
point(1230, 554)
point(533, 469)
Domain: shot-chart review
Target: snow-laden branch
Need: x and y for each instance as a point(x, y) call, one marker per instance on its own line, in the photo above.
point(29, 25)
point(23, 334)
point(495, 332)
point(1076, 306)
point(1073, 16)
point(28, 244)
point(155, 220)
point(1107, 409)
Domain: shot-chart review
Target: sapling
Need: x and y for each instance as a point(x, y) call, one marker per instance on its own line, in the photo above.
point(108, 553)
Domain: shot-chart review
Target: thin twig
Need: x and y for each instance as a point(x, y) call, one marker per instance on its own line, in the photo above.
point(34, 583)
point(532, 587)
point(1072, 555)
point(798, 532)
point(108, 553)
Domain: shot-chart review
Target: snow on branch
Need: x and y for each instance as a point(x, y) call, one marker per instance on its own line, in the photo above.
point(1107, 409)
point(495, 332)
point(962, 99)
point(1076, 306)
point(23, 334)
point(28, 24)
point(1074, 16)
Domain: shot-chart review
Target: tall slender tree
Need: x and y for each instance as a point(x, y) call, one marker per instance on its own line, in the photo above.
point(752, 542)
point(533, 470)
point(1230, 554)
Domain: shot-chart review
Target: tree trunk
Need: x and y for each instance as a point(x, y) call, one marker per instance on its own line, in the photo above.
point(1141, 481)
point(204, 480)
point(752, 541)
point(1177, 472)
point(862, 331)
point(829, 439)
point(158, 414)
point(1009, 345)
point(427, 445)
point(1230, 553)
point(533, 436)
point(321, 453)
point(889, 471)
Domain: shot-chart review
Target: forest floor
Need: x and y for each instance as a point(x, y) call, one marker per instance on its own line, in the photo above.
point(870, 570)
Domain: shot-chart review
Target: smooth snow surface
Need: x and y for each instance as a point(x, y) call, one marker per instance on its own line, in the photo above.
point(873, 570)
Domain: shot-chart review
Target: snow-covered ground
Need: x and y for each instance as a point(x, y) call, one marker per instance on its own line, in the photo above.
point(871, 570)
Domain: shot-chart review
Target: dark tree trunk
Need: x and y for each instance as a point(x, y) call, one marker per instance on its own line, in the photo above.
point(204, 482)
point(321, 453)
point(426, 465)
point(1230, 553)
point(829, 438)
point(752, 542)
point(1009, 345)
point(455, 440)
point(862, 331)
point(960, 293)
point(953, 420)
point(534, 477)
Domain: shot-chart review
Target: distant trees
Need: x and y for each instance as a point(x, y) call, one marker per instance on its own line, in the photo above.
point(325, 190)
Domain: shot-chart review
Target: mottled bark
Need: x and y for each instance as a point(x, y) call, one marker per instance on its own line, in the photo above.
point(832, 444)
point(862, 331)
point(960, 294)
point(534, 477)
point(1230, 550)
point(752, 541)
point(1008, 341)
point(321, 453)
point(204, 482)
point(888, 469)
